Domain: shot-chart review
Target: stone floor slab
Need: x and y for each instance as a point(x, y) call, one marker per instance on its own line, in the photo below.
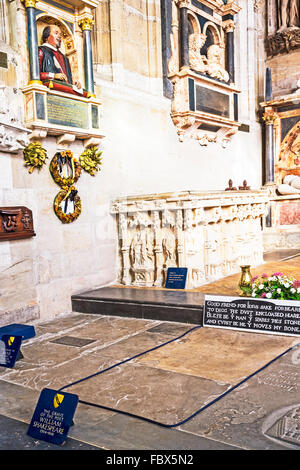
point(263, 414)
point(217, 354)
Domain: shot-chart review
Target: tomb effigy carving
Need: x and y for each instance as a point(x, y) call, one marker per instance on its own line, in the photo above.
point(284, 26)
point(210, 234)
point(200, 67)
point(281, 117)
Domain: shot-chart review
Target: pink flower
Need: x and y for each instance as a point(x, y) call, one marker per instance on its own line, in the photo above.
point(277, 274)
point(264, 275)
point(263, 295)
point(296, 284)
point(254, 278)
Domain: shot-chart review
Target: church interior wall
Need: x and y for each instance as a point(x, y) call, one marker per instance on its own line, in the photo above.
point(141, 154)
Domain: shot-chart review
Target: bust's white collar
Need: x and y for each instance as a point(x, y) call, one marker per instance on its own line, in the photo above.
point(46, 44)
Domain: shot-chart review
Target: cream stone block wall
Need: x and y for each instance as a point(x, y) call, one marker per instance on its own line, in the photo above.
point(285, 72)
point(39, 275)
point(144, 154)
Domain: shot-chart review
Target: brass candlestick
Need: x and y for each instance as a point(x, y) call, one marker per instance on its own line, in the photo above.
point(245, 280)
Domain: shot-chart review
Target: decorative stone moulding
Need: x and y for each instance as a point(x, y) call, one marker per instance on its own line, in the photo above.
point(55, 113)
point(13, 138)
point(211, 234)
point(281, 117)
point(60, 102)
point(203, 109)
point(15, 223)
point(201, 70)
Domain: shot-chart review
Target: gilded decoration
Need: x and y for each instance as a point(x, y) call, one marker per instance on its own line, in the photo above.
point(201, 70)
point(86, 23)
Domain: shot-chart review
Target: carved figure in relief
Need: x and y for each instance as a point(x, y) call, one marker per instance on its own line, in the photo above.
point(197, 61)
point(141, 250)
point(169, 250)
point(215, 67)
point(53, 63)
point(288, 14)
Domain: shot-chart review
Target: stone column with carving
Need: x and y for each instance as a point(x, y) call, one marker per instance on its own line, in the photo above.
point(30, 6)
point(158, 250)
point(86, 25)
point(229, 26)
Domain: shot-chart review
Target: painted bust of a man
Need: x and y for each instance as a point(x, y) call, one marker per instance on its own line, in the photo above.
point(54, 65)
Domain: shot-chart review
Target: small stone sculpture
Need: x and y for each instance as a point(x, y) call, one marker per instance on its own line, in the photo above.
point(215, 68)
point(197, 61)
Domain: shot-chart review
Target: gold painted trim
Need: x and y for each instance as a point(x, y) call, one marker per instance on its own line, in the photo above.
point(32, 82)
point(29, 3)
point(86, 23)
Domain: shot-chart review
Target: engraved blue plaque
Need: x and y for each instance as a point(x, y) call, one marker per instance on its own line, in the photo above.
point(176, 278)
point(53, 416)
point(9, 350)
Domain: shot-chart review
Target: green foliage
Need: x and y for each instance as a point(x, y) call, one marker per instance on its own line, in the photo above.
point(90, 160)
point(276, 286)
point(34, 156)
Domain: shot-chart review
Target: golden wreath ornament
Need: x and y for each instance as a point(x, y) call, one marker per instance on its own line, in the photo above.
point(65, 169)
point(64, 198)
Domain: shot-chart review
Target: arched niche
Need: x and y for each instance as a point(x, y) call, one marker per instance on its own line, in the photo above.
point(289, 156)
point(211, 32)
point(193, 23)
point(68, 43)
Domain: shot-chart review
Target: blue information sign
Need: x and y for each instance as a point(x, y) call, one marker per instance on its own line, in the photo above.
point(176, 278)
point(9, 350)
point(53, 416)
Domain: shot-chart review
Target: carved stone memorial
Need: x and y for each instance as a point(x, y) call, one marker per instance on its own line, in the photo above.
point(199, 63)
point(210, 234)
point(60, 98)
point(283, 26)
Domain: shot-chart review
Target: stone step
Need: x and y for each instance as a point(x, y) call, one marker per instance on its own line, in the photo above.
point(147, 303)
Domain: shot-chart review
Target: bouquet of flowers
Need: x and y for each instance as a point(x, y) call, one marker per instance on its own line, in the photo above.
point(276, 286)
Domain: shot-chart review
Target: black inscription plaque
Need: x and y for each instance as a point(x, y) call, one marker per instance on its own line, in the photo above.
point(3, 60)
point(258, 315)
point(211, 101)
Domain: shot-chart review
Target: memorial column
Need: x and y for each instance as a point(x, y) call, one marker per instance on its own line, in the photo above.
point(32, 41)
point(86, 25)
point(269, 118)
point(184, 34)
point(229, 26)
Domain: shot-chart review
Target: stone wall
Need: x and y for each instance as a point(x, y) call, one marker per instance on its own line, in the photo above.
point(141, 154)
